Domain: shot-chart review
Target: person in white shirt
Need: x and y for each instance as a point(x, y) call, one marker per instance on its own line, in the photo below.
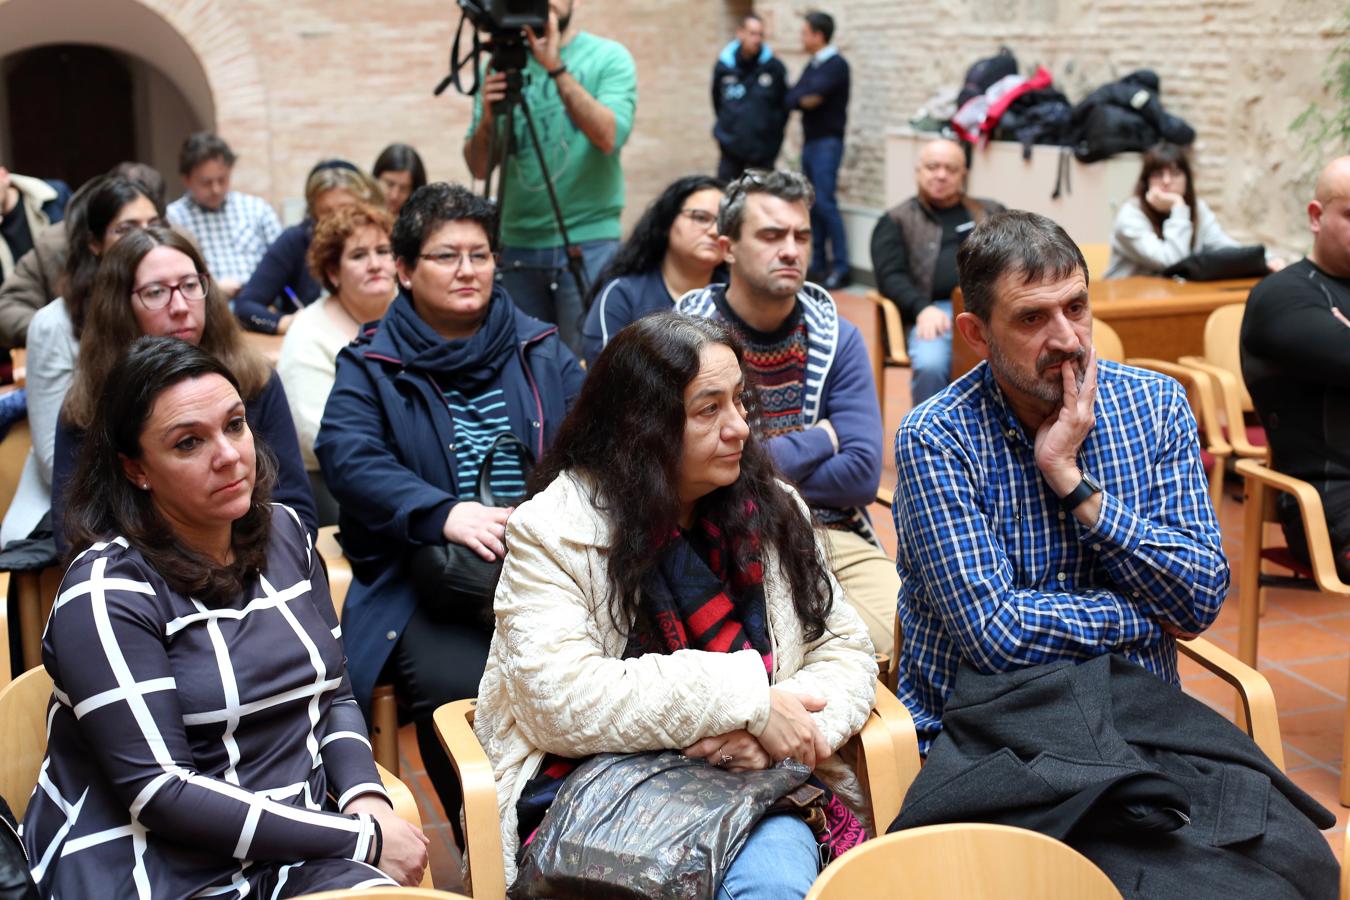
point(1164, 222)
point(352, 258)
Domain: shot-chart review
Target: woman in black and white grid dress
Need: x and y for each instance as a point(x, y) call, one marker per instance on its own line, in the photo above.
point(203, 739)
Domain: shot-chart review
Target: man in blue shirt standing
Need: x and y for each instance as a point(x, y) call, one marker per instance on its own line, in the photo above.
point(1049, 506)
point(822, 96)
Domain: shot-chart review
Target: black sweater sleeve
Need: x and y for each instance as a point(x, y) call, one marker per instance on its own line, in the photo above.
point(890, 264)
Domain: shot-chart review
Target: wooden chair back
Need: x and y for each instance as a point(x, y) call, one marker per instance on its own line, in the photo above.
point(1097, 257)
point(338, 568)
point(23, 736)
point(967, 861)
point(1107, 342)
point(385, 893)
point(1223, 348)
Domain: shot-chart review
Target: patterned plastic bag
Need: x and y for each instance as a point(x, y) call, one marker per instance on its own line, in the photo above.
point(640, 825)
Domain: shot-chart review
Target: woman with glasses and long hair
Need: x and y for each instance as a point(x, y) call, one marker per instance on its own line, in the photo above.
point(451, 370)
point(1165, 222)
point(154, 282)
point(101, 213)
point(673, 250)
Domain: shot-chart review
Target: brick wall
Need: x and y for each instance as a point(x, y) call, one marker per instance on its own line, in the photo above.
point(292, 82)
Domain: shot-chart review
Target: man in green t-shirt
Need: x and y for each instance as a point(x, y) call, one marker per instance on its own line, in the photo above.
point(582, 93)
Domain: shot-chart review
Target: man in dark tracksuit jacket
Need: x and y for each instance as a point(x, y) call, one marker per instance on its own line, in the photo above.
point(748, 89)
point(821, 93)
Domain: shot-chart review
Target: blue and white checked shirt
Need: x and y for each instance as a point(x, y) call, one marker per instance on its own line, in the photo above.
point(233, 238)
point(994, 573)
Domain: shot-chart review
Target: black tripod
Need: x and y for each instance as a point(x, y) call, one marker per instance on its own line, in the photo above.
point(510, 58)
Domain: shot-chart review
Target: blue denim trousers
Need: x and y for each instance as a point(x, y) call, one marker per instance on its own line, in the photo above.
point(930, 362)
point(540, 283)
point(820, 164)
point(780, 860)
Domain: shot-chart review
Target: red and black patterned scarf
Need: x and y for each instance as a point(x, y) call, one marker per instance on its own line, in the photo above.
point(703, 594)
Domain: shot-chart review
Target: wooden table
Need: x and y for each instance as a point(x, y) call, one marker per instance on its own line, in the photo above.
point(269, 345)
point(1159, 318)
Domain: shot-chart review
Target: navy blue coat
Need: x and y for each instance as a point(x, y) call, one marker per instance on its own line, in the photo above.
point(284, 267)
point(384, 448)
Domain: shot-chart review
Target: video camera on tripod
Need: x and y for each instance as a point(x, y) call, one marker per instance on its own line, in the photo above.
point(505, 22)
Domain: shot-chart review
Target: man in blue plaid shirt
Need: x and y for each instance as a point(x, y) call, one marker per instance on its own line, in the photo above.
point(1048, 506)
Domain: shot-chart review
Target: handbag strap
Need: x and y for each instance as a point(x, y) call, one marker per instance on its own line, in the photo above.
point(505, 439)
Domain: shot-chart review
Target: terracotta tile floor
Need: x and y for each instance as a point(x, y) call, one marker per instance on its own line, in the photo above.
point(1304, 652)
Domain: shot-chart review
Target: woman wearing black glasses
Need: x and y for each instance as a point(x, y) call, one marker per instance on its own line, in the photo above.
point(673, 250)
point(154, 282)
point(452, 369)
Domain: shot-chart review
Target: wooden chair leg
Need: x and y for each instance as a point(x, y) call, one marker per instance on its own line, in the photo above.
point(1249, 573)
point(1345, 760)
point(384, 727)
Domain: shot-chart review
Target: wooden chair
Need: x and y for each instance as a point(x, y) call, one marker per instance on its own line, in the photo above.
point(384, 893)
point(23, 743)
point(888, 762)
point(1203, 393)
point(1223, 363)
point(383, 703)
point(1262, 487)
point(1107, 342)
point(963, 861)
point(1097, 257)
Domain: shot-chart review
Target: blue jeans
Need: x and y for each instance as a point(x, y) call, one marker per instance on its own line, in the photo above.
point(820, 164)
point(540, 283)
point(930, 362)
point(779, 860)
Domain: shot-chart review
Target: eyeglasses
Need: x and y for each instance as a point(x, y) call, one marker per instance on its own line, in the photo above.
point(453, 259)
point(156, 295)
point(125, 228)
point(700, 217)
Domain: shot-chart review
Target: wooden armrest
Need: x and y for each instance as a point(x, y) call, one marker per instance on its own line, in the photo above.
point(893, 329)
point(889, 761)
point(485, 873)
point(337, 565)
point(1230, 395)
point(405, 807)
point(885, 497)
point(1314, 521)
point(1258, 700)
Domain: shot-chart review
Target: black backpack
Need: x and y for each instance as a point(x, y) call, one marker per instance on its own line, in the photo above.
point(1125, 116)
point(985, 73)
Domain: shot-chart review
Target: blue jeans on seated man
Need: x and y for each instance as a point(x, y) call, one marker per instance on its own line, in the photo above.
point(542, 286)
point(780, 859)
point(930, 362)
point(820, 164)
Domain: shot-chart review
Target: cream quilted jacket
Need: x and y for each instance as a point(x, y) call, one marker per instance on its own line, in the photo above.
point(556, 683)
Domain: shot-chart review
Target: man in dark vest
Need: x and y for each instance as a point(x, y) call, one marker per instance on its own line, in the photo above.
point(749, 84)
point(914, 259)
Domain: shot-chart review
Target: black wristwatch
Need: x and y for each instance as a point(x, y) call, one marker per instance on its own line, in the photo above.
point(1086, 488)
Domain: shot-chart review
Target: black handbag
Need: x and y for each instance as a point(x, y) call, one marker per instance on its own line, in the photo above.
point(453, 583)
point(1221, 263)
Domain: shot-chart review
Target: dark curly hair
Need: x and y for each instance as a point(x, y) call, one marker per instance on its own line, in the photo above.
point(432, 206)
point(104, 503)
point(646, 246)
point(625, 436)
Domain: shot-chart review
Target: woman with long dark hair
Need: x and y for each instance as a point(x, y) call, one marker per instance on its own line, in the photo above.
point(400, 172)
point(102, 213)
point(673, 250)
point(202, 735)
point(154, 282)
point(676, 587)
point(1165, 222)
